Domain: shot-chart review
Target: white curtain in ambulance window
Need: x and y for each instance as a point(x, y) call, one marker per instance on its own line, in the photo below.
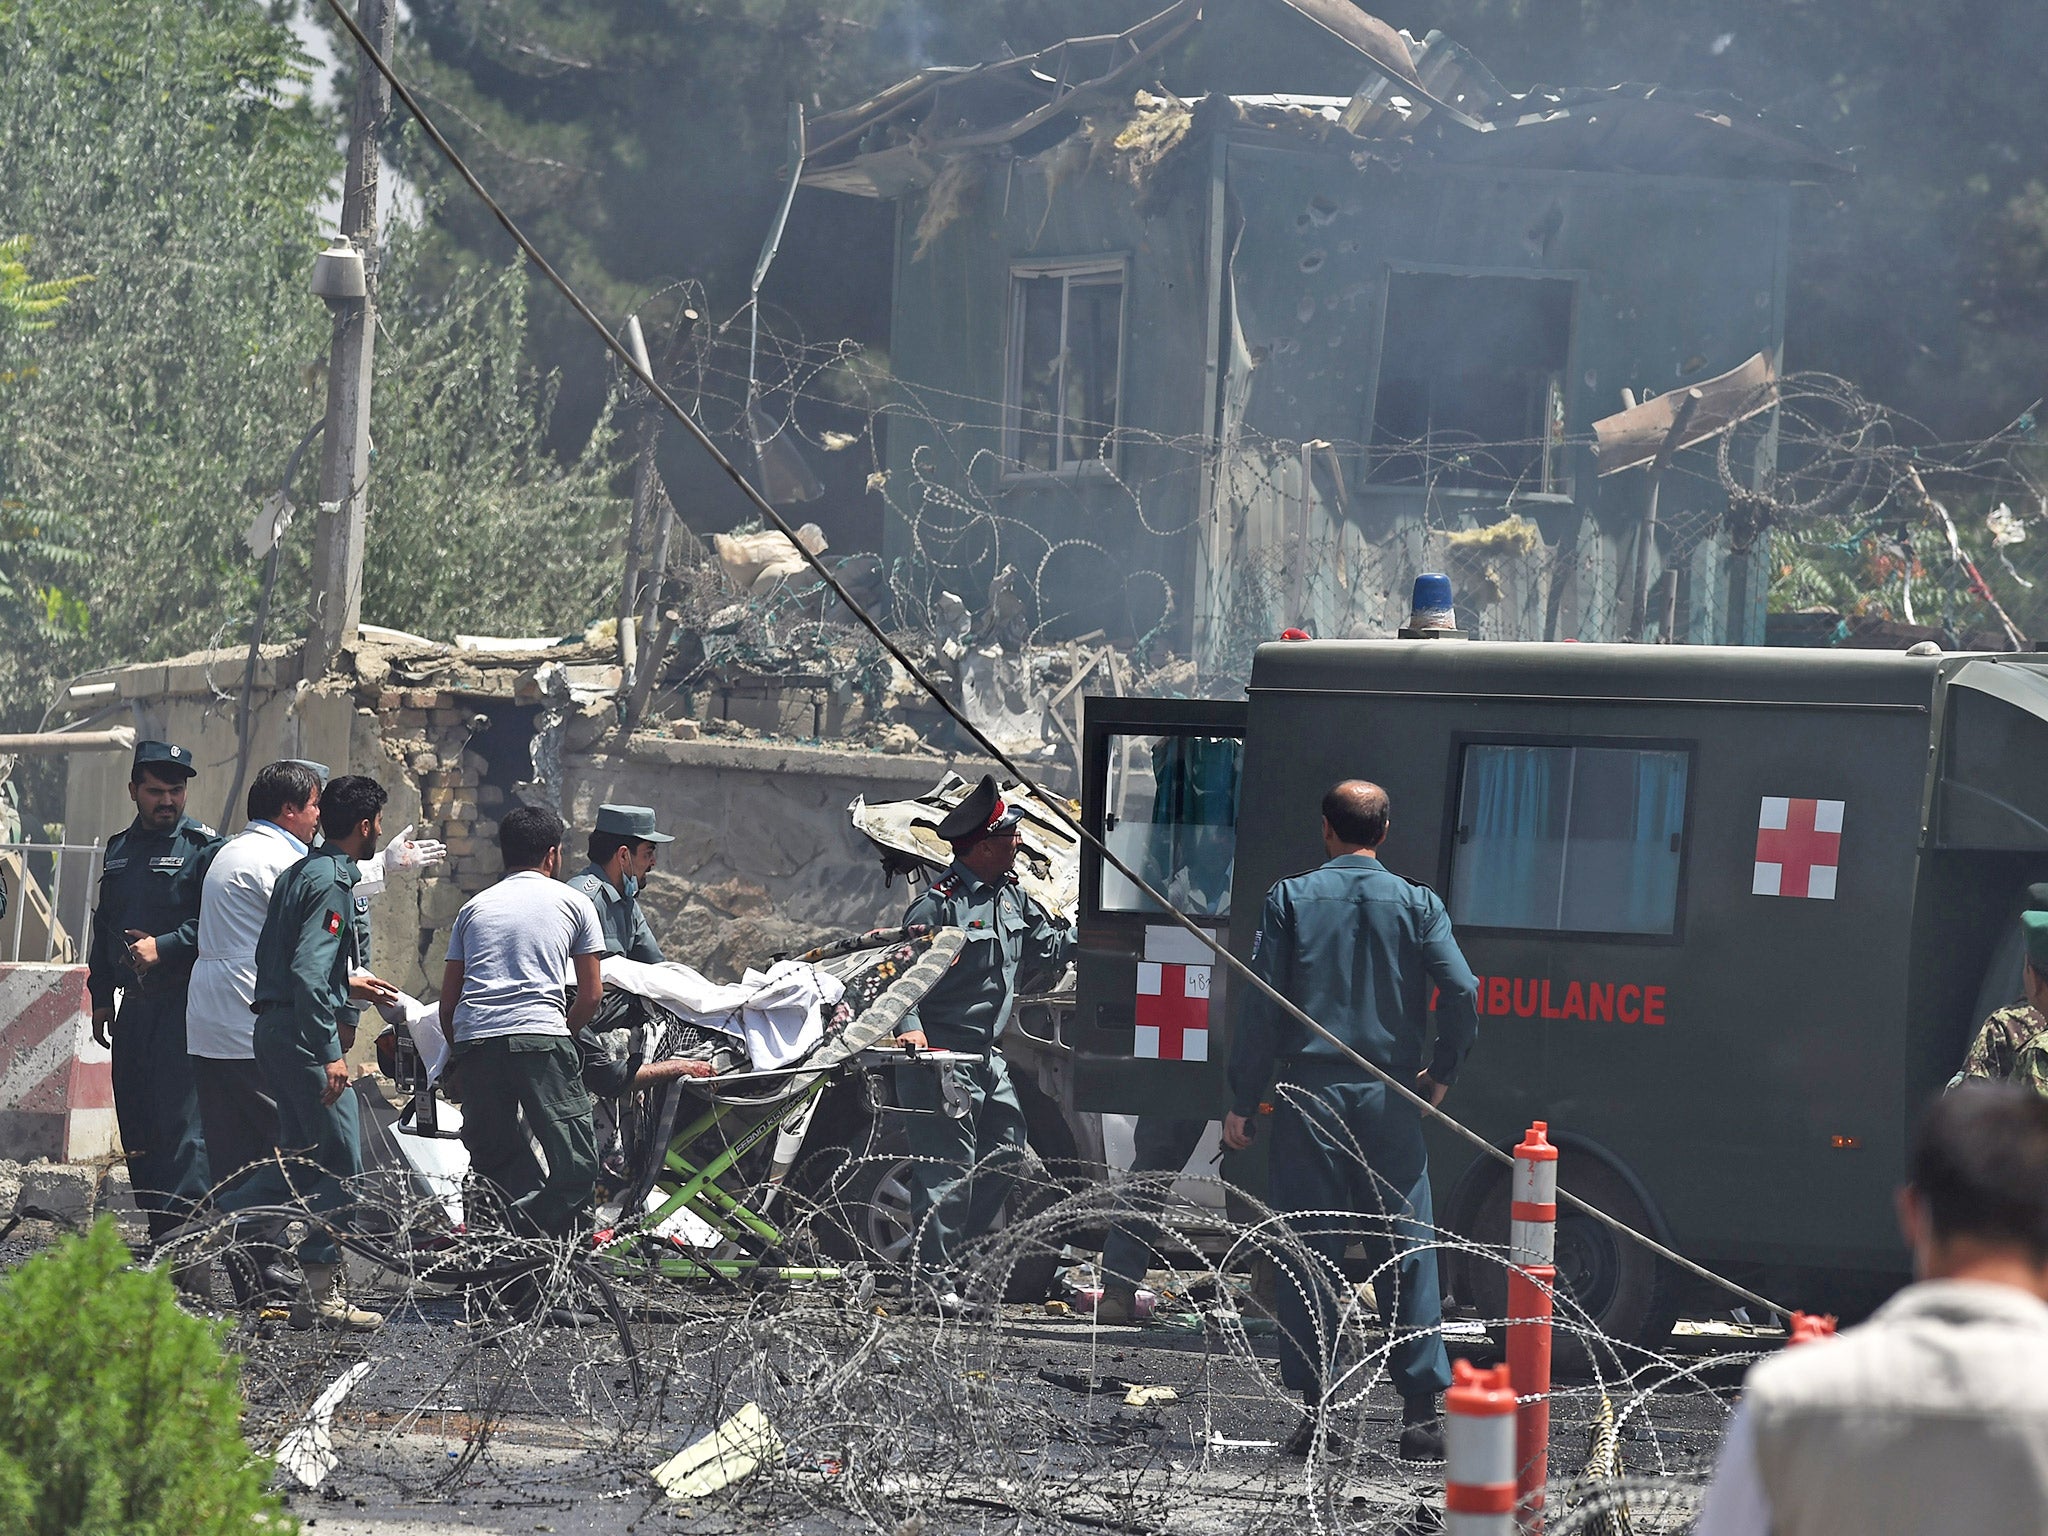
point(1570, 839)
point(1172, 816)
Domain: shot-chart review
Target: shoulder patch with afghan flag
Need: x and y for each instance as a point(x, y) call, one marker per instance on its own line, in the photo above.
point(334, 922)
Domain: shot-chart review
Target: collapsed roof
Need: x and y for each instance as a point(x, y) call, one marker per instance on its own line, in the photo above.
point(1429, 97)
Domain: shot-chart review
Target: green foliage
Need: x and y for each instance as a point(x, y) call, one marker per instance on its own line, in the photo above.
point(148, 142)
point(474, 526)
point(28, 304)
point(1895, 567)
point(121, 1414)
point(25, 303)
point(168, 147)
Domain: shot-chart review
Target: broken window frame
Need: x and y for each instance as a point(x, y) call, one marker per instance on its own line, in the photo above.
point(1555, 479)
point(1103, 271)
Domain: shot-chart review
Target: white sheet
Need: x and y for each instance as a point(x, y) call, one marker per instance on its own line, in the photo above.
point(424, 1021)
point(779, 1013)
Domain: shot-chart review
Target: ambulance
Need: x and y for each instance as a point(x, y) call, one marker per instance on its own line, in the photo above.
point(1735, 911)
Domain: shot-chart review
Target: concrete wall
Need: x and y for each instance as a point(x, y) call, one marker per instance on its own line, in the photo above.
point(765, 859)
point(1676, 279)
point(1099, 537)
point(192, 702)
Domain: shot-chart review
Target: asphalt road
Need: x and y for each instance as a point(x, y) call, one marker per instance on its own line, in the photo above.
point(1004, 1442)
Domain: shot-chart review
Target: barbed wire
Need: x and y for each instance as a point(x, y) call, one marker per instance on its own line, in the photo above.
point(889, 1416)
point(1313, 533)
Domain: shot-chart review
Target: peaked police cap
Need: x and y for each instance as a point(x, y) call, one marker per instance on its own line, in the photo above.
point(164, 760)
point(634, 821)
point(981, 813)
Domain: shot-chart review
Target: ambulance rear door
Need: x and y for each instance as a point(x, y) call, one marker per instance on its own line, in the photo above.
point(1161, 787)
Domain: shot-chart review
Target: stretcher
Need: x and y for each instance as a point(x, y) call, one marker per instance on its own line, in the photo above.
point(707, 1198)
point(700, 1194)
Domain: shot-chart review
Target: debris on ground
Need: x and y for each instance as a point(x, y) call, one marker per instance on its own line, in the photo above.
point(731, 1453)
point(307, 1453)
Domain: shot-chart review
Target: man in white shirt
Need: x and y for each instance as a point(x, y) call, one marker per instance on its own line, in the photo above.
point(236, 1111)
point(522, 978)
point(1932, 1417)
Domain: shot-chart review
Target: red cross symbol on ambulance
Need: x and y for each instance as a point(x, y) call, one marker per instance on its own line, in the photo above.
point(1798, 847)
point(1173, 998)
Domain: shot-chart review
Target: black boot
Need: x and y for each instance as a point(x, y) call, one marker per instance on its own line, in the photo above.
point(1422, 1429)
point(1337, 1444)
point(262, 1277)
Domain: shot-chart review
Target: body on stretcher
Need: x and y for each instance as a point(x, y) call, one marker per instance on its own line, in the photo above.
point(683, 1182)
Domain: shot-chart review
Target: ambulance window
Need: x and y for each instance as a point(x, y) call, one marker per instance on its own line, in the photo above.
point(1569, 839)
point(1170, 813)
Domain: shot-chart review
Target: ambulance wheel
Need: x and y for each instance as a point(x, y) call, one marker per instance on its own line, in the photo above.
point(862, 1207)
point(1628, 1294)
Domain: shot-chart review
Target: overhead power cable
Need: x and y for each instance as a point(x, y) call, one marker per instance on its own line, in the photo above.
point(761, 504)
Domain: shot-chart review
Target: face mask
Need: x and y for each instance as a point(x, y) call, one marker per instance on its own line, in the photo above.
point(632, 885)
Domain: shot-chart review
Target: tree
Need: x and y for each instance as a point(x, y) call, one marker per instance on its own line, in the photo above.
point(474, 524)
point(121, 1413)
point(170, 149)
point(27, 304)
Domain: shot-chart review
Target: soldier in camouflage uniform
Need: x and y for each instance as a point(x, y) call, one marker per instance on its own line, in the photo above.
point(2009, 1049)
point(2011, 1046)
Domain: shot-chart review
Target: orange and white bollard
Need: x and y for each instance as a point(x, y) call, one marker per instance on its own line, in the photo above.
point(1532, 1278)
point(1479, 1452)
point(1807, 1327)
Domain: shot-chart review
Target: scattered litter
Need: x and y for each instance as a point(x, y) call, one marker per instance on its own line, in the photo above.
point(307, 1453)
point(1149, 1397)
point(1217, 1442)
point(730, 1454)
point(1086, 1385)
point(755, 562)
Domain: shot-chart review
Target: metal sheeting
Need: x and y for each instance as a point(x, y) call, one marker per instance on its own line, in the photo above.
point(1431, 95)
point(2022, 686)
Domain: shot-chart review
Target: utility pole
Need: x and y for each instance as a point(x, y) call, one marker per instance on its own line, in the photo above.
point(345, 449)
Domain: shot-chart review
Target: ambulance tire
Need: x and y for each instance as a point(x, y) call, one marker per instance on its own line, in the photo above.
point(1630, 1296)
point(858, 1193)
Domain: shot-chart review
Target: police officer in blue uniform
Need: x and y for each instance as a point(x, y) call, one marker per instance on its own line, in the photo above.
point(145, 936)
point(964, 1166)
point(623, 847)
point(1358, 949)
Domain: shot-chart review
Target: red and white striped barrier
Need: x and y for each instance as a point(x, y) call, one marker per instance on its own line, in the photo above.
point(1532, 1278)
point(1479, 1452)
point(56, 1085)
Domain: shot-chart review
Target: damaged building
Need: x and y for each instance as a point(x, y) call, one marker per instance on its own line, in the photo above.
point(1209, 366)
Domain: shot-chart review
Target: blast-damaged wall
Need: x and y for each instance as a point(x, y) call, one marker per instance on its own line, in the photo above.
point(764, 859)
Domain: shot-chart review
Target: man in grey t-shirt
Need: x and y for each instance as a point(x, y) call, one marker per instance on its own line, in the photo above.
point(517, 953)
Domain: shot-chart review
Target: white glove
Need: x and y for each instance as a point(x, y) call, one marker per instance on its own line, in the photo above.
point(403, 852)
